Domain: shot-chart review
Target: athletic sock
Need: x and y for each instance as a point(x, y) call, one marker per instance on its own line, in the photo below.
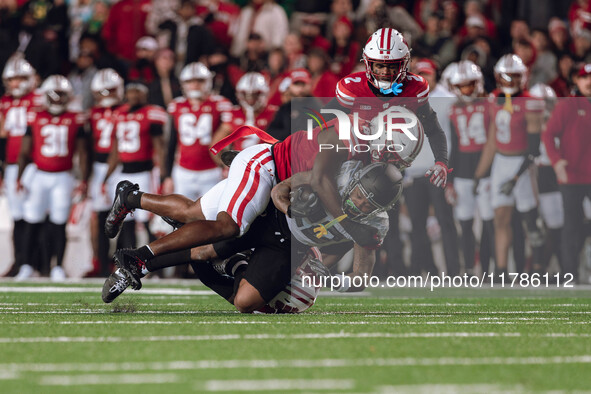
point(133, 199)
point(169, 260)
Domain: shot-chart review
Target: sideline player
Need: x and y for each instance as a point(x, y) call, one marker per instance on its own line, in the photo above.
point(107, 89)
point(54, 135)
point(18, 77)
point(138, 146)
point(470, 120)
point(200, 118)
point(514, 140)
point(252, 91)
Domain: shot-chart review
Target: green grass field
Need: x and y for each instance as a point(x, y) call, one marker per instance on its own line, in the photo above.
point(182, 338)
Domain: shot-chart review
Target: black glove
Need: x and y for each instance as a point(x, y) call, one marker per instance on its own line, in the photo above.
point(475, 186)
point(507, 187)
point(304, 203)
point(362, 234)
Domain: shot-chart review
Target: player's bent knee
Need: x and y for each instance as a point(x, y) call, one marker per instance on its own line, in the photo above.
point(248, 299)
point(228, 226)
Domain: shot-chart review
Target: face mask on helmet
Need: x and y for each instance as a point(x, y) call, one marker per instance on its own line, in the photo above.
point(107, 97)
point(107, 88)
point(509, 83)
point(373, 189)
point(196, 81)
point(511, 74)
point(57, 101)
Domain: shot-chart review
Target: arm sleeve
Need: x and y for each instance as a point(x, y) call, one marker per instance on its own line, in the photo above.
point(453, 158)
point(2, 151)
point(172, 142)
point(29, 131)
point(434, 132)
point(533, 144)
point(554, 129)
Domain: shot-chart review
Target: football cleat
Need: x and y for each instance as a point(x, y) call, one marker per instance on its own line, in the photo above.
point(115, 284)
point(57, 274)
point(118, 210)
point(228, 266)
point(131, 266)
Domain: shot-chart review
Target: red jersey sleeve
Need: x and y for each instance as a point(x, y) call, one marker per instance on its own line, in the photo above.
point(157, 114)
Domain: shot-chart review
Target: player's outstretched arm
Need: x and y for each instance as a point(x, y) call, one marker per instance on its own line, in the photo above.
point(363, 262)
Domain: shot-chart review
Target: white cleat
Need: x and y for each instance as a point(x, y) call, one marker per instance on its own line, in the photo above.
point(57, 274)
point(24, 273)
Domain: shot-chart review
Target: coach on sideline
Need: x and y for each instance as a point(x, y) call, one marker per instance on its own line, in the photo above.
point(569, 126)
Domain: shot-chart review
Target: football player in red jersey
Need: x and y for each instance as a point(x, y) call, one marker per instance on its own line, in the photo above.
point(470, 120)
point(139, 147)
point(19, 81)
point(199, 119)
point(513, 142)
point(107, 89)
point(387, 57)
point(54, 135)
point(252, 91)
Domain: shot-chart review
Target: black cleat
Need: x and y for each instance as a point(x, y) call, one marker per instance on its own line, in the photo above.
point(118, 209)
point(228, 266)
point(114, 286)
point(130, 265)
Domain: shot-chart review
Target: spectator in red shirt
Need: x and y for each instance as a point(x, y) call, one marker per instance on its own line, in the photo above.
point(344, 51)
point(275, 73)
point(569, 124)
point(124, 26)
point(323, 81)
point(218, 16)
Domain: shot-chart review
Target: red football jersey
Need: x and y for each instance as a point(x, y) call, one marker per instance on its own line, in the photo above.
point(13, 112)
point(511, 127)
point(354, 92)
point(54, 139)
point(297, 152)
point(195, 125)
point(471, 122)
point(132, 130)
point(101, 124)
point(262, 121)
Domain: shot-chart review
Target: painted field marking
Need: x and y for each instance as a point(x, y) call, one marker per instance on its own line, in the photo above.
point(113, 379)
point(181, 365)
point(278, 384)
point(97, 290)
point(336, 335)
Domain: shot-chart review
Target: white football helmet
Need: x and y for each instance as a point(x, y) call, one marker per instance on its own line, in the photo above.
point(401, 150)
point(467, 72)
point(16, 67)
point(193, 71)
point(545, 92)
point(107, 88)
point(57, 93)
point(386, 46)
point(511, 74)
point(447, 73)
point(252, 91)
point(298, 295)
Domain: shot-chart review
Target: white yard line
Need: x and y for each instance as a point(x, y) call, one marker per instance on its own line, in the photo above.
point(97, 290)
point(181, 365)
point(278, 385)
point(112, 379)
point(450, 388)
point(336, 335)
